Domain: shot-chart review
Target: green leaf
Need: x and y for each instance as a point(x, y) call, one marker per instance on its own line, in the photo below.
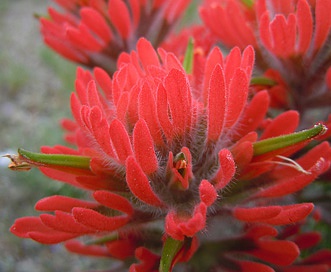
point(169, 252)
point(272, 144)
point(248, 3)
point(41, 159)
point(188, 58)
point(263, 81)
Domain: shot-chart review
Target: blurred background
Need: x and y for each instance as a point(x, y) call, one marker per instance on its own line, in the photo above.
point(35, 85)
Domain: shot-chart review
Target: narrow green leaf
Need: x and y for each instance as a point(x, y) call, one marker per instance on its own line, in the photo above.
point(188, 58)
point(81, 162)
point(248, 3)
point(272, 144)
point(170, 249)
point(263, 81)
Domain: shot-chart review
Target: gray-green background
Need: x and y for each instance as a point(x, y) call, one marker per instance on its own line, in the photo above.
point(35, 85)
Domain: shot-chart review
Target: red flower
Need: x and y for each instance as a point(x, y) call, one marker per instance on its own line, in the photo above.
point(289, 36)
point(286, 28)
point(203, 39)
point(94, 33)
point(172, 155)
point(231, 21)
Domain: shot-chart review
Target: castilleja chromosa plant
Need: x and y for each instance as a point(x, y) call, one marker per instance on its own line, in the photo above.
point(191, 162)
point(95, 32)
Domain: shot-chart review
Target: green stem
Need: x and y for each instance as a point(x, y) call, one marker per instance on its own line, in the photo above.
point(170, 249)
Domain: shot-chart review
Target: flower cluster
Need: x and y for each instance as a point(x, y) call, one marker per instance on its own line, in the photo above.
point(95, 32)
point(291, 43)
point(181, 148)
